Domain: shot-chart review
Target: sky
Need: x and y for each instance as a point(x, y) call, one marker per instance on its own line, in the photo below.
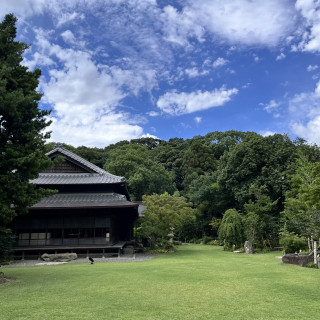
point(117, 70)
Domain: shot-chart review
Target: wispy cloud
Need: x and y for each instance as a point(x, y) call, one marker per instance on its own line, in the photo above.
point(312, 68)
point(194, 72)
point(198, 119)
point(281, 56)
point(219, 62)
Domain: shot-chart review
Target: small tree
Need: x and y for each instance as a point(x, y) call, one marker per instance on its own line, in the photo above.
point(163, 213)
point(231, 229)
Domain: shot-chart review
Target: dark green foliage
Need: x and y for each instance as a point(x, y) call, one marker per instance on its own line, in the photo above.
point(6, 242)
point(21, 127)
point(291, 243)
point(198, 159)
point(144, 175)
point(311, 265)
point(170, 154)
point(257, 161)
point(261, 220)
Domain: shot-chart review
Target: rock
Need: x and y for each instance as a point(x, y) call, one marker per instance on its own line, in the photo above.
point(59, 257)
point(298, 259)
point(248, 248)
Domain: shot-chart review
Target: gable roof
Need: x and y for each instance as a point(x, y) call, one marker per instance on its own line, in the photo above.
point(92, 175)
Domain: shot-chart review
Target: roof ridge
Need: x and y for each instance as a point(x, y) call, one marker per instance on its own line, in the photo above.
point(96, 169)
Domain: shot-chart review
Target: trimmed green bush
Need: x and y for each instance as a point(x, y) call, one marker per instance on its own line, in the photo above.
point(291, 243)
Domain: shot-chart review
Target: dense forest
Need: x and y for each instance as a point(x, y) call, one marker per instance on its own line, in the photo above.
point(239, 185)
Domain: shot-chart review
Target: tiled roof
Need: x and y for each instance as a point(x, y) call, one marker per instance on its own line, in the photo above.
point(75, 178)
point(84, 200)
point(59, 149)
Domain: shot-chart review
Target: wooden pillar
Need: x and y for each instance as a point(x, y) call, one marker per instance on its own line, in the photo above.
point(22, 258)
point(102, 253)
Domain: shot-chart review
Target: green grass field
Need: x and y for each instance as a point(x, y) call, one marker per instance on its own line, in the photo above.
point(197, 282)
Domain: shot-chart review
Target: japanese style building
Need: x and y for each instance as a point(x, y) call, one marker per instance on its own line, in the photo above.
point(91, 212)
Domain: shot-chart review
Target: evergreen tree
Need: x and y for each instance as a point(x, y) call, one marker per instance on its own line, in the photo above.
point(21, 128)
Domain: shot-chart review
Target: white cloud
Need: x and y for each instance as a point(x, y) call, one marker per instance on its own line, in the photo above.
point(194, 72)
point(86, 98)
point(148, 135)
point(256, 58)
point(176, 103)
point(153, 113)
point(312, 68)
point(309, 131)
point(177, 27)
point(198, 119)
point(68, 17)
point(245, 22)
point(267, 133)
point(272, 106)
point(304, 110)
point(310, 38)
point(38, 60)
point(68, 37)
point(219, 62)
point(23, 8)
point(281, 56)
point(247, 85)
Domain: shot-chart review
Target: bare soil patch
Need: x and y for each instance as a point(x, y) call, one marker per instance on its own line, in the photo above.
point(5, 280)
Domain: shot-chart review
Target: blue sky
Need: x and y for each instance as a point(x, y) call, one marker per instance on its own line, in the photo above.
point(123, 69)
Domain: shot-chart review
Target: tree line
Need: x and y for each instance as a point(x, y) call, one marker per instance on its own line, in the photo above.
point(239, 185)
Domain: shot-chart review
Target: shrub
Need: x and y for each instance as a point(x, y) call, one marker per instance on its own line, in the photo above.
point(291, 243)
point(207, 239)
point(214, 243)
point(6, 242)
point(311, 265)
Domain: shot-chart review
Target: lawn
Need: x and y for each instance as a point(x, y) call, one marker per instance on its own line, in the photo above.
point(197, 282)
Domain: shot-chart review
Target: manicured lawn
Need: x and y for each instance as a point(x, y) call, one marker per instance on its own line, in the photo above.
point(197, 282)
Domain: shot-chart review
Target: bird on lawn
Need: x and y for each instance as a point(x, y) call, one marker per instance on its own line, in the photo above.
point(91, 260)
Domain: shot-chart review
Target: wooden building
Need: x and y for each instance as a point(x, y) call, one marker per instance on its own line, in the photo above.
point(91, 212)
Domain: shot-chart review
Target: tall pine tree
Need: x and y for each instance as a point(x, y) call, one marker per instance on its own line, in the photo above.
point(21, 127)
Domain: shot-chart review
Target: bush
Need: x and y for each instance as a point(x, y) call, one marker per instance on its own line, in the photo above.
point(291, 243)
point(311, 265)
point(207, 239)
point(6, 242)
point(214, 243)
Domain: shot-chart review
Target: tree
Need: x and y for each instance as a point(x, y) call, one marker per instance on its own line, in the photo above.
point(165, 213)
point(261, 221)
point(144, 175)
point(301, 214)
point(170, 155)
point(21, 127)
point(197, 160)
point(231, 229)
